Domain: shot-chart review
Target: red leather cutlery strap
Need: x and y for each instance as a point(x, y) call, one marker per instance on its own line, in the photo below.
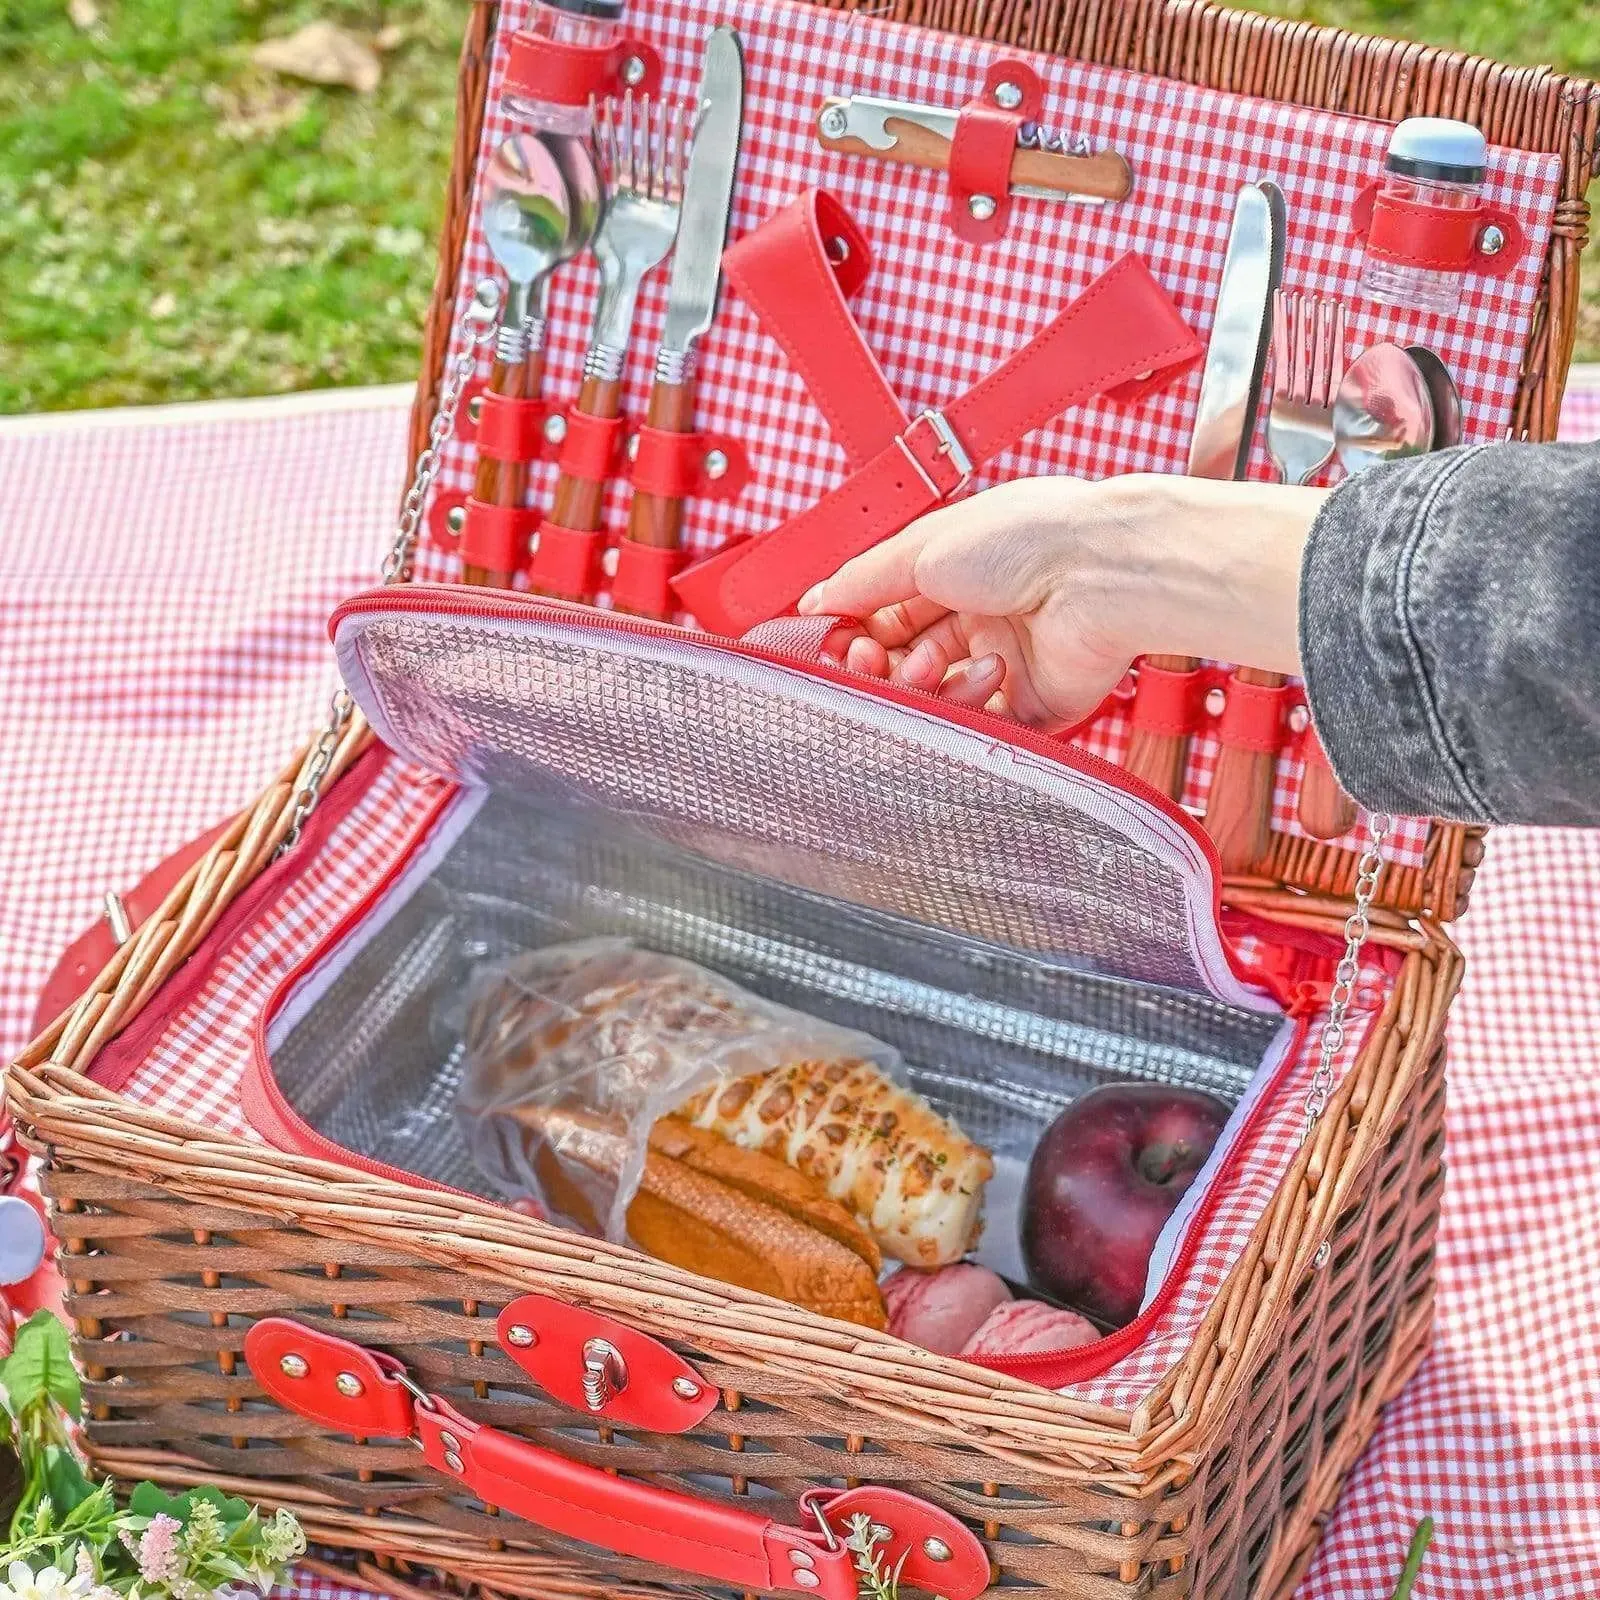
point(985, 145)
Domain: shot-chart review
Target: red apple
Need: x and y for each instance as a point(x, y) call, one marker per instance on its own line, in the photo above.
point(1107, 1174)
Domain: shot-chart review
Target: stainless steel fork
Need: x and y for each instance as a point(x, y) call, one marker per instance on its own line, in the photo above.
point(1308, 335)
point(643, 150)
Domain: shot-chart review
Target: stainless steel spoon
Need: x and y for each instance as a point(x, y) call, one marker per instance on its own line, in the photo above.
point(1383, 411)
point(1444, 394)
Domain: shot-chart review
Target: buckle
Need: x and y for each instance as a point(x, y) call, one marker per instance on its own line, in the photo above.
point(948, 446)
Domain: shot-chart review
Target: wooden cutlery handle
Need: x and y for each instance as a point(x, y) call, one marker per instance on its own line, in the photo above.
point(1325, 810)
point(658, 519)
point(578, 501)
point(505, 483)
point(1159, 758)
point(1239, 806)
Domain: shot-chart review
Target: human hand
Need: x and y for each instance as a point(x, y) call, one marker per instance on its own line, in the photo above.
point(1033, 598)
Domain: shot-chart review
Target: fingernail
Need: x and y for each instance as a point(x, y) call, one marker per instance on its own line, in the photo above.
point(989, 666)
point(811, 600)
point(921, 662)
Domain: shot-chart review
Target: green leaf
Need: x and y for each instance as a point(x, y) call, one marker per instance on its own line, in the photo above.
point(39, 1369)
point(65, 1481)
point(149, 1501)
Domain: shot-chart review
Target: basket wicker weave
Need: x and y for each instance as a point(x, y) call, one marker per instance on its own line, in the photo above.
point(1215, 1485)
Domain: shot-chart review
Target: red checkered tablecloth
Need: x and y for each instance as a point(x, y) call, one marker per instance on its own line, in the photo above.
point(164, 578)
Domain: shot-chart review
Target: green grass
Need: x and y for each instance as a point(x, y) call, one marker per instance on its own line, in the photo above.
point(176, 224)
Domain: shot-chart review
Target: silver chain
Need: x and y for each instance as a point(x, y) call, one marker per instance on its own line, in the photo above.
point(1356, 927)
point(477, 329)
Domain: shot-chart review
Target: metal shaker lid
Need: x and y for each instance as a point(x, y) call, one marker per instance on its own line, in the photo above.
point(1438, 148)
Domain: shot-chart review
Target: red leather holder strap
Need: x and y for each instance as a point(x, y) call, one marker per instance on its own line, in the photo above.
point(592, 446)
point(496, 538)
point(1417, 235)
point(1253, 718)
point(364, 1393)
point(673, 465)
point(564, 74)
point(1122, 326)
point(642, 582)
point(566, 561)
point(513, 430)
point(984, 146)
point(1168, 704)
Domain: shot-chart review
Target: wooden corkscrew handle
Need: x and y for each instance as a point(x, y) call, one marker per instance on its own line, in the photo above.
point(505, 483)
point(655, 519)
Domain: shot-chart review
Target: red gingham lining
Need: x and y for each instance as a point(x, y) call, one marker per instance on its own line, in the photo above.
point(1495, 1437)
point(940, 315)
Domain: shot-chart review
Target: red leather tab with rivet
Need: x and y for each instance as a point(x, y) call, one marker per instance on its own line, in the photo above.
point(514, 430)
point(567, 561)
point(983, 148)
point(592, 446)
point(941, 1554)
point(683, 466)
point(1168, 704)
point(1253, 718)
point(329, 1380)
point(1122, 325)
point(1413, 233)
point(496, 538)
point(642, 583)
point(558, 72)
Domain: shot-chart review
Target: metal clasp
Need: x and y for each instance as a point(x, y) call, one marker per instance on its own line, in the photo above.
point(605, 1373)
point(949, 446)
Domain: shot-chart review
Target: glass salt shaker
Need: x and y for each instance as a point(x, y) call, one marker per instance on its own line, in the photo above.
point(589, 23)
point(1431, 161)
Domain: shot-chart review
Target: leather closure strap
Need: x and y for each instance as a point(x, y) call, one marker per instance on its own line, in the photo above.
point(1121, 327)
point(558, 72)
point(985, 145)
point(496, 538)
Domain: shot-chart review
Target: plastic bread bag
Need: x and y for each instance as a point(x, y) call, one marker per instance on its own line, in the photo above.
point(576, 1051)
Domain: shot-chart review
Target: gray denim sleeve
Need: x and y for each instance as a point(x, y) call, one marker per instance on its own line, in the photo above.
point(1450, 634)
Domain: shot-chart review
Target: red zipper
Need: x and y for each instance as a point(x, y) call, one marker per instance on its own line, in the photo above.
point(506, 605)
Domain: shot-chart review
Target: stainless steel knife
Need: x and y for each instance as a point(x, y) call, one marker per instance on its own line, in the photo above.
point(696, 274)
point(707, 199)
point(1241, 330)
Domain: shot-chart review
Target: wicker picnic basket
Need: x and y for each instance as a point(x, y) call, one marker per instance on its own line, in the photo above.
point(177, 1239)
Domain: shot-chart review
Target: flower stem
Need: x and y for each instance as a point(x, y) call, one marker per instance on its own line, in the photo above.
point(1419, 1548)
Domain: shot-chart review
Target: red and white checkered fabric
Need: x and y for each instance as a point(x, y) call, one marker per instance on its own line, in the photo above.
point(183, 566)
point(940, 315)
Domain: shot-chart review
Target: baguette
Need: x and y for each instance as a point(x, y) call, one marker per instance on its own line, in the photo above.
point(912, 1177)
point(703, 1223)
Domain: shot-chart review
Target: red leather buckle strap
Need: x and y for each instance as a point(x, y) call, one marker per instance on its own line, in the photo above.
point(514, 430)
point(682, 466)
point(985, 145)
point(1168, 704)
point(1121, 327)
point(592, 446)
point(1418, 235)
point(642, 583)
point(566, 561)
point(496, 538)
point(555, 72)
point(1253, 718)
point(350, 1390)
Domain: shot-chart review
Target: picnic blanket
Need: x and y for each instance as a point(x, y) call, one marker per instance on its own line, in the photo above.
point(165, 577)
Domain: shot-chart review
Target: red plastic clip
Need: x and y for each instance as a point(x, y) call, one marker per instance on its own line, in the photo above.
point(985, 145)
point(554, 72)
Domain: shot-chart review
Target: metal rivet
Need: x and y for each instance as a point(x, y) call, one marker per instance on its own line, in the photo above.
point(1320, 1259)
point(688, 1389)
point(803, 1558)
point(633, 447)
point(1492, 240)
point(610, 560)
point(1216, 702)
point(449, 1440)
point(838, 250)
point(455, 519)
point(716, 464)
point(475, 407)
point(293, 1366)
point(1008, 95)
point(806, 1580)
point(936, 1549)
point(833, 122)
point(349, 1385)
point(521, 1335)
point(633, 71)
point(555, 427)
point(1299, 719)
point(981, 206)
point(453, 1461)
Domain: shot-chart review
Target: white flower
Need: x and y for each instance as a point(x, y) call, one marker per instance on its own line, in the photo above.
point(51, 1584)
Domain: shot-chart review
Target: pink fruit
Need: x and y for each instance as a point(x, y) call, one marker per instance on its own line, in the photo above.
point(1029, 1327)
point(1105, 1177)
point(942, 1309)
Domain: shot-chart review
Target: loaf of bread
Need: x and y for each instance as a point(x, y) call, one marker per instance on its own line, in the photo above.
point(751, 1222)
point(912, 1177)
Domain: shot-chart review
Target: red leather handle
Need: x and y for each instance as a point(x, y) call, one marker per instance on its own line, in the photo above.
point(365, 1393)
